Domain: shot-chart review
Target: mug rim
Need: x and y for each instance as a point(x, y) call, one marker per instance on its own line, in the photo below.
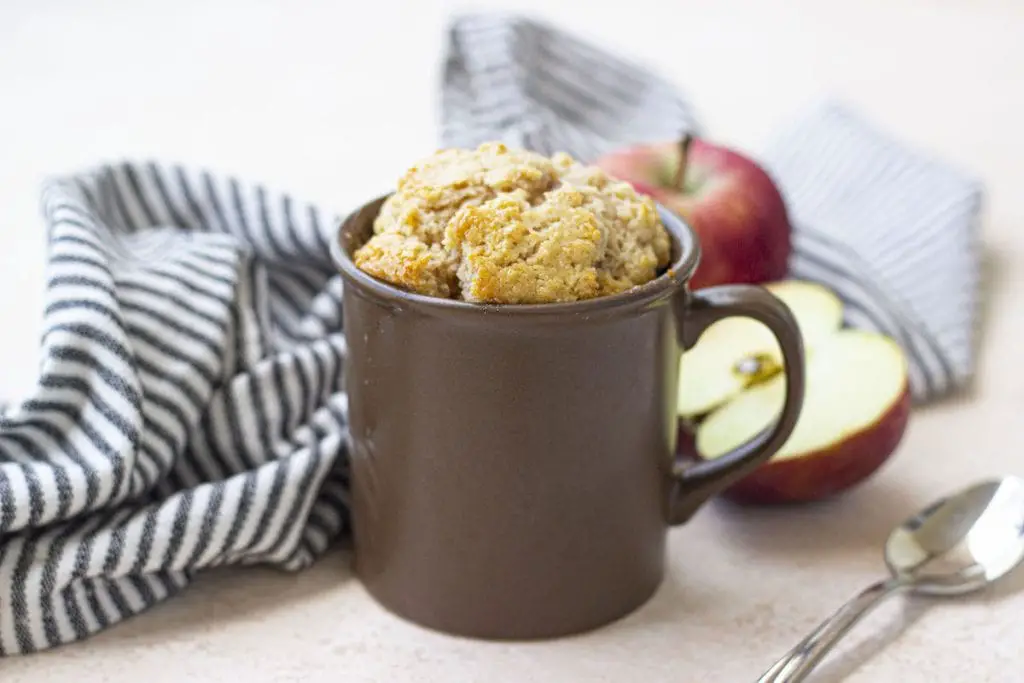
point(676, 275)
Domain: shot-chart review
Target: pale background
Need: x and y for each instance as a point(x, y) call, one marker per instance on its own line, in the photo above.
point(311, 98)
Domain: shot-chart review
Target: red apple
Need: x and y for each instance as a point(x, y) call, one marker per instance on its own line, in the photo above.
point(728, 199)
point(855, 411)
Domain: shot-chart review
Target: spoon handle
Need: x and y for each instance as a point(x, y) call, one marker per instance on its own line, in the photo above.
point(798, 662)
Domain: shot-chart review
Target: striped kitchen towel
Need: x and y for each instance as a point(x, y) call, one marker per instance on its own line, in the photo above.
point(893, 232)
point(189, 410)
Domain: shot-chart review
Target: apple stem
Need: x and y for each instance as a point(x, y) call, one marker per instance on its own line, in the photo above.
point(684, 153)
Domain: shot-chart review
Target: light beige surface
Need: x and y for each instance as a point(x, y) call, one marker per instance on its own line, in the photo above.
point(280, 92)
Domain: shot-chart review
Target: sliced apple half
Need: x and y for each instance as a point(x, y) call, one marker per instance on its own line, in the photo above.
point(856, 408)
point(735, 353)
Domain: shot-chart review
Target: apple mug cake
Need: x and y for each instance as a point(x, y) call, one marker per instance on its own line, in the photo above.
point(510, 226)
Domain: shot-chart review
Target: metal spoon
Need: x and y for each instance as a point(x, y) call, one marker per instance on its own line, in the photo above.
point(956, 545)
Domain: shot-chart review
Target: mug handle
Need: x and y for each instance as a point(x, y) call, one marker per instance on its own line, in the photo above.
point(695, 483)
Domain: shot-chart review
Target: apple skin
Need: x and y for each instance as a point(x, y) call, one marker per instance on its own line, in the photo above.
point(823, 473)
point(731, 203)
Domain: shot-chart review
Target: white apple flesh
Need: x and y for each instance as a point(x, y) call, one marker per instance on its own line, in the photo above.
point(735, 353)
point(856, 409)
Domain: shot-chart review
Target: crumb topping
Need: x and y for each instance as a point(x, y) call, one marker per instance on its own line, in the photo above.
point(501, 225)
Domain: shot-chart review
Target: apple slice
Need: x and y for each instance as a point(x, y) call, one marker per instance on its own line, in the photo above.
point(737, 352)
point(856, 408)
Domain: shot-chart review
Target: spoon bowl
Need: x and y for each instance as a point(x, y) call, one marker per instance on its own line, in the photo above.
point(961, 543)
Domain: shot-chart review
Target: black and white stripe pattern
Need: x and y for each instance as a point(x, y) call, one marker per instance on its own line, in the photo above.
point(892, 232)
point(189, 410)
point(531, 86)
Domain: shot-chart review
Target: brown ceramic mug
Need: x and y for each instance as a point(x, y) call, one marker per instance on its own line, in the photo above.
point(513, 466)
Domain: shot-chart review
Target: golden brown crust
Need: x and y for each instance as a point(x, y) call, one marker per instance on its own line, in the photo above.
point(498, 225)
point(409, 263)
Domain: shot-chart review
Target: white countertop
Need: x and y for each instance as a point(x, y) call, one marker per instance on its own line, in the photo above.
point(310, 99)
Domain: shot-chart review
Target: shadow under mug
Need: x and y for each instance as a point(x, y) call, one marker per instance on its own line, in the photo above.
point(513, 467)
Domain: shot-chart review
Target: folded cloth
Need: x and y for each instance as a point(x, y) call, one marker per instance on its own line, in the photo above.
point(893, 232)
point(189, 411)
